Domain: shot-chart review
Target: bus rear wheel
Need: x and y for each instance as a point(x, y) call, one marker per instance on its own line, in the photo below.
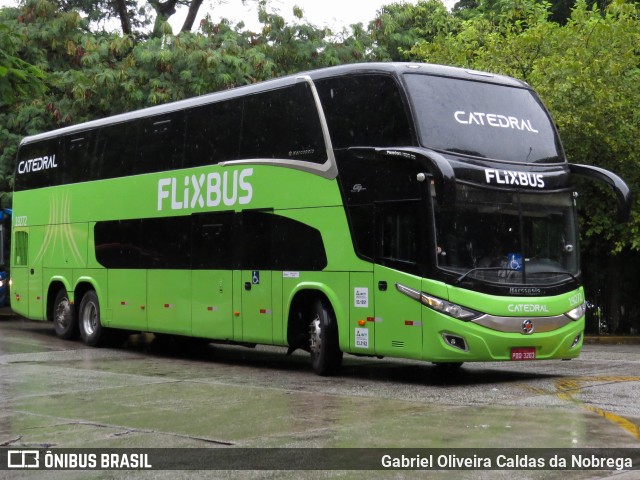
point(326, 356)
point(91, 330)
point(65, 322)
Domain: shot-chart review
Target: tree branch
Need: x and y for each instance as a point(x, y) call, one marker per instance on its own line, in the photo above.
point(194, 6)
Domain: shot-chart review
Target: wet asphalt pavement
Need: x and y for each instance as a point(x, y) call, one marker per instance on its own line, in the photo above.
point(62, 394)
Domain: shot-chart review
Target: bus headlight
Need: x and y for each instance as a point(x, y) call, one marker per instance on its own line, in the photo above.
point(448, 308)
point(577, 313)
point(439, 305)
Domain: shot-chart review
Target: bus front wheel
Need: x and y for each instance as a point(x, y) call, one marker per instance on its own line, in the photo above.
point(91, 329)
point(326, 356)
point(65, 322)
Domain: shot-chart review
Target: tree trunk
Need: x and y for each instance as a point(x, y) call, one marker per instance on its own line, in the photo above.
point(194, 6)
point(121, 8)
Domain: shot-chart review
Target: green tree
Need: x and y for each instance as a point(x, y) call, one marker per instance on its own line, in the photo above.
point(400, 26)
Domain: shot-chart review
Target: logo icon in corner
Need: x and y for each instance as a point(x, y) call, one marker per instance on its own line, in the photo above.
point(527, 327)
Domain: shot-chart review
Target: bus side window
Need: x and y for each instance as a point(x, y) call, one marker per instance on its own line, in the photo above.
point(37, 165)
point(296, 246)
point(160, 143)
point(115, 151)
point(282, 124)
point(212, 241)
point(365, 110)
point(166, 243)
point(213, 133)
point(21, 249)
point(77, 157)
point(255, 239)
point(397, 233)
point(117, 243)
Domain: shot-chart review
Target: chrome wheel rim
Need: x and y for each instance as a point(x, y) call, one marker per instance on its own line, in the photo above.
point(90, 318)
point(315, 338)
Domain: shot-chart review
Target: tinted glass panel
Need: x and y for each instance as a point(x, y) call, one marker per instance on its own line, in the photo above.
point(364, 110)
point(213, 247)
point(213, 133)
point(482, 119)
point(282, 124)
point(166, 243)
point(398, 234)
point(38, 165)
point(256, 240)
point(508, 237)
point(216, 241)
point(21, 249)
point(118, 243)
point(160, 143)
point(115, 151)
point(296, 246)
point(78, 150)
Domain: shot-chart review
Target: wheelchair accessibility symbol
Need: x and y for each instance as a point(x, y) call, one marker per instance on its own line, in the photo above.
point(255, 277)
point(515, 261)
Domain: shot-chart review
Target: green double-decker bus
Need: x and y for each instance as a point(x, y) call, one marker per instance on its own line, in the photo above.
point(402, 210)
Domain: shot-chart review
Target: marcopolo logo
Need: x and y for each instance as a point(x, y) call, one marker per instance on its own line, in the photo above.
point(211, 190)
point(37, 164)
point(494, 120)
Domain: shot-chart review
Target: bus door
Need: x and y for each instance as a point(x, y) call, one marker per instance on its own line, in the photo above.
point(254, 280)
point(37, 250)
point(398, 313)
point(212, 291)
point(256, 309)
point(20, 271)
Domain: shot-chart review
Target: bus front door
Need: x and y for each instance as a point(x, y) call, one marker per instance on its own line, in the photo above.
point(398, 316)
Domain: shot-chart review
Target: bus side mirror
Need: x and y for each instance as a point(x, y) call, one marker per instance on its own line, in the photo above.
point(621, 189)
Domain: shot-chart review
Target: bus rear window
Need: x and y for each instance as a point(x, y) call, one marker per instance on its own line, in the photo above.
point(482, 120)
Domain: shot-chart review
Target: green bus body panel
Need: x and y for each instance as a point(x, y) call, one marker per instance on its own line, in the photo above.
point(517, 306)
point(212, 304)
point(230, 304)
point(398, 318)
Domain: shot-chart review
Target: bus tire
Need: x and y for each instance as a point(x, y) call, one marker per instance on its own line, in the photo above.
point(326, 356)
point(91, 330)
point(65, 321)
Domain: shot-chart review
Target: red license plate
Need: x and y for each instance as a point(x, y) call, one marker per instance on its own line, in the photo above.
point(521, 354)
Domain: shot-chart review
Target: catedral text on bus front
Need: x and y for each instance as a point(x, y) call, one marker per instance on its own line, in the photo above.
point(404, 210)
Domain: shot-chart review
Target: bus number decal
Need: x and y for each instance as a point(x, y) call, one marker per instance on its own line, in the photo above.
point(21, 221)
point(211, 190)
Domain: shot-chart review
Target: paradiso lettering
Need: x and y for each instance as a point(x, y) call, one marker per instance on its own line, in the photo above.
point(210, 190)
point(494, 120)
point(37, 164)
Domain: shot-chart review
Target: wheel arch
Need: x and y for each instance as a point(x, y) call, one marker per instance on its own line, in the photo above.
point(55, 284)
point(299, 299)
point(85, 284)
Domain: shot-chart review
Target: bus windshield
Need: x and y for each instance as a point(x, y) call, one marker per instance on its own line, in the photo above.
point(482, 120)
point(508, 237)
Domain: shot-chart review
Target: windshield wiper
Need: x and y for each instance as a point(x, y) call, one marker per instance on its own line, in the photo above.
point(479, 269)
point(503, 269)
